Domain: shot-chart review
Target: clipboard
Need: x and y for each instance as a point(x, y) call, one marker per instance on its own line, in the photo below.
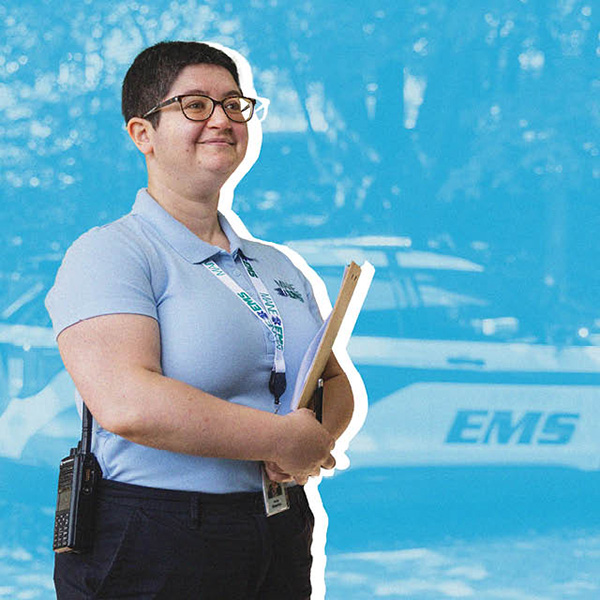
point(349, 281)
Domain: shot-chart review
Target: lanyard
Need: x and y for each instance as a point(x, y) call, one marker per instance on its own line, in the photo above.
point(269, 316)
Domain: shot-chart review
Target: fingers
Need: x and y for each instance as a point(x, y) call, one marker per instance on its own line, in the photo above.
point(329, 462)
point(305, 446)
point(303, 479)
point(278, 478)
point(274, 473)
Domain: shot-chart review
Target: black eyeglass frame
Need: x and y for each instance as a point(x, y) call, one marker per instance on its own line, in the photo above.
point(215, 103)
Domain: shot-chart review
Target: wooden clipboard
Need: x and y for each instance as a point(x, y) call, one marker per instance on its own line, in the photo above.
point(349, 281)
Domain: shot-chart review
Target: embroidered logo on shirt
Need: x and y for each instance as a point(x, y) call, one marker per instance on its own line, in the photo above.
point(287, 289)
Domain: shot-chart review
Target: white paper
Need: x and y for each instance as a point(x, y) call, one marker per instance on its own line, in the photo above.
point(306, 364)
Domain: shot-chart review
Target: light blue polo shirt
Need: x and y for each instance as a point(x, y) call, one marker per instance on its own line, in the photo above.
point(149, 263)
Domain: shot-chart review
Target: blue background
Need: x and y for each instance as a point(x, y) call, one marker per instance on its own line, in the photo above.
point(453, 144)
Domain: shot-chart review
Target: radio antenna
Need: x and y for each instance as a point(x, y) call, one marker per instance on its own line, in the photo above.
point(86, 430)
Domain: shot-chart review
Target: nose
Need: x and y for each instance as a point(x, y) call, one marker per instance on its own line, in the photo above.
point(219, 118)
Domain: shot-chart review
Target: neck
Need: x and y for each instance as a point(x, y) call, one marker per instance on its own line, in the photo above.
point(199, 214)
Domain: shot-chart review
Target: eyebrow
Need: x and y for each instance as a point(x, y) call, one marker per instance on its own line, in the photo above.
point(205, 93)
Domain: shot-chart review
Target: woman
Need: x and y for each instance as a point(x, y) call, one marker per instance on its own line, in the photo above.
point(179, 343)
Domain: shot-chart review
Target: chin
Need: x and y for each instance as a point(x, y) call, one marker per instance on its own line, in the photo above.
point(223, 170)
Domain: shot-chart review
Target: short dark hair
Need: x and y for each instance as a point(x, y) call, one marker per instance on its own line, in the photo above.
point(154, 70)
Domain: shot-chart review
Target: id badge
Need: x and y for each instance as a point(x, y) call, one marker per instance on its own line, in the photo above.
point(275, 496)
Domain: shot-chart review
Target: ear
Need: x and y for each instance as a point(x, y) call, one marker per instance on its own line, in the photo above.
point(141, 132)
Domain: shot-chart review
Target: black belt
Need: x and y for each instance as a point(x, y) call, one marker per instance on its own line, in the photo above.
point(181, 501)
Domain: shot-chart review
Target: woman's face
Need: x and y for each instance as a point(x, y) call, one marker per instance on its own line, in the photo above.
point(192, 154)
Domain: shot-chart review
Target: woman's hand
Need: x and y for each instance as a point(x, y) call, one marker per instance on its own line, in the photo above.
point(274, 473)
point(304, 447)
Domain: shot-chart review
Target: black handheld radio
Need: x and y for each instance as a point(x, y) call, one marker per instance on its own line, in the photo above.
point(78, 479)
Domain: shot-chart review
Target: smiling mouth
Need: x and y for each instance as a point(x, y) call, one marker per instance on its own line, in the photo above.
point(218, 142)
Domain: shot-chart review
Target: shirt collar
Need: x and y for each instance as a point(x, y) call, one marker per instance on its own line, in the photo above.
point(179, 237)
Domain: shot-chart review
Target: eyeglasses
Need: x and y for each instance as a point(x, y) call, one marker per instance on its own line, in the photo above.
point(196, 107)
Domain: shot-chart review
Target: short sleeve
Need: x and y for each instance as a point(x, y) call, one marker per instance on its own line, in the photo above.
point(104, 272)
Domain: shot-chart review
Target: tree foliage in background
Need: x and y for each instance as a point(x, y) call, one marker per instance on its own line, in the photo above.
point(493, 153)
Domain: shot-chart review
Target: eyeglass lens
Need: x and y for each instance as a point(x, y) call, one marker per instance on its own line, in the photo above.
point(199, 108)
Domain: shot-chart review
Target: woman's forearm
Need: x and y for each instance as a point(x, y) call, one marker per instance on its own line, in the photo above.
point(114, 361)
point(338, 404)
point(168, 414)
point(153, 410)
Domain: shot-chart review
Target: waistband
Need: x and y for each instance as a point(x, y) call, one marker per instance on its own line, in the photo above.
point(138, 496)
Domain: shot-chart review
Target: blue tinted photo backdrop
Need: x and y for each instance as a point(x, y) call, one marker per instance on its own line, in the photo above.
point(455, 146)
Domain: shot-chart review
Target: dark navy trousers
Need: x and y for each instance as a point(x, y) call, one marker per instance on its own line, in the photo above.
point(162, 544)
